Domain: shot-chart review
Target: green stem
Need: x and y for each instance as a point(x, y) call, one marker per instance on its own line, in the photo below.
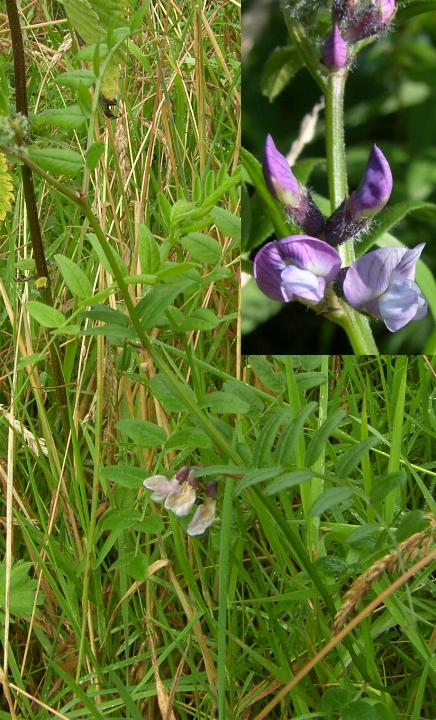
point(354, 323)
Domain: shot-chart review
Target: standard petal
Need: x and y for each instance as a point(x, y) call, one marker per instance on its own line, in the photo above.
point(312, 254)
point(203, 518)
point(370, 275)
point(406, 266)
point(400, 304)
point(161, 486)
point(302, 284)
point(181, 500)
point(267, 269)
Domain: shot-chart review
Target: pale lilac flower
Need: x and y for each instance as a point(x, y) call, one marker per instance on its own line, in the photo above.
point(335, 50)
point(283, 184)
point(181, 500)
point(203, 518)
point(161, 486)
point(374, 191)
point(296, 267)
point(382, 284)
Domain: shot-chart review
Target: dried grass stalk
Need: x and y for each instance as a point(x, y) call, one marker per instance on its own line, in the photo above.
point(415, 546)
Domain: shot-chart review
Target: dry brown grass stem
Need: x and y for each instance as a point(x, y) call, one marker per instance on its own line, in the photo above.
point(415, 546)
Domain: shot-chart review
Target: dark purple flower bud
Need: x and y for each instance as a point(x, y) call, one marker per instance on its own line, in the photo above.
point(370, 197)
point(297, 267)
point(368, 18)
point(382, 284)
point(283, 184)
point(335, 50)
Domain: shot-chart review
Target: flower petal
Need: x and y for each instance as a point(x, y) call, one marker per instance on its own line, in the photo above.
point(302, 251)
point(161, 486)
point(181, 500)
point(375, 189)
point(303, 284)
point(407, 265)
point(279, 177)
point(400, 304)
point(370, 275)
point(203, 518)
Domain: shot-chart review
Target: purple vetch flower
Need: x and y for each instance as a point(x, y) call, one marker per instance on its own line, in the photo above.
point(296, 267)
point(382, 284)
point(283, 184)
point(374, 191)
point(335, 50)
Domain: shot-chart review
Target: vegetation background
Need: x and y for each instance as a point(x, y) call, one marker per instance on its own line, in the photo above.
point(389, 100)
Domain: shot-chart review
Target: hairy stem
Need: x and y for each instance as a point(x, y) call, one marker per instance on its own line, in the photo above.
point(354, 323)
point(22, 107)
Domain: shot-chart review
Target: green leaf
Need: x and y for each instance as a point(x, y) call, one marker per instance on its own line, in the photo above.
point(119, 520)
point(330, 498)
point(142, 432)
point(93, 239)
point(202, 248)
point(291, 436)
point(22, 589)
point(411, 523)
point(267, 435)
point(45, 314)
point(152, 307)
point(384, 485)
point(352, 457)
point(148, 250)
point(359, 710)
point(225, 403)
point(228, 223)
point(163, 391)
point(307, 380)
point(320, 436)
point(75, 279)
point(56, 161)
point(68, 118)
point(416, 8)
point(280, 68)
point(107, 314)
point(76, 78)
point(267, 374)
point(201, 319)
point(254, 477)
point(94, 154)
point(125, 475)
point(288, 480)
point(391, 216)
point(188, 438)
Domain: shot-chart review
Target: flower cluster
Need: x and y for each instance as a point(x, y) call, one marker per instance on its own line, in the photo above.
point(354, 20)
point(304, 267)
point(179, 495)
